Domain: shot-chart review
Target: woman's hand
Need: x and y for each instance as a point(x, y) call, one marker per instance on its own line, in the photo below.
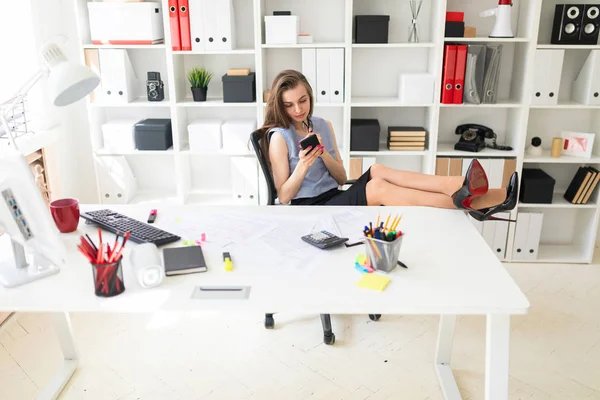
point(308, 156)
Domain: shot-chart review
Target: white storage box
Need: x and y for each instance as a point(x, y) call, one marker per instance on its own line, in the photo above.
point(118, 135)
point(126, 23)
point(282, 29)
point(416, 88)
point(205, 135)
point(236, 135)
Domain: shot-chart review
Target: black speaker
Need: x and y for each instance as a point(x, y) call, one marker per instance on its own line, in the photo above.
point(567, 23)
point(590, 24)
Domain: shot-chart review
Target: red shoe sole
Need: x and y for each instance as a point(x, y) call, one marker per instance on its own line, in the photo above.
point(478, 182)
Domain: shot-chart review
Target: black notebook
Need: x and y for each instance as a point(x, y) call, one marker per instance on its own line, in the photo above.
point(184, 260)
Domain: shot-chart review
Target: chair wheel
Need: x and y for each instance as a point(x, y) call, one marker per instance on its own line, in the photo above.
point(269, 322)
point(374, 317)
point(329, 339)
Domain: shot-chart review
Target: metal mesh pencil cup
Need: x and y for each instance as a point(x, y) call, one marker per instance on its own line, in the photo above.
point(108, 279)
point(382, 255)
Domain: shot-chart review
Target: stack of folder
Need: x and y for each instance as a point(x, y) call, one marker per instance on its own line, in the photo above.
point(406, 138)
point(582, 186)
point(471, 73)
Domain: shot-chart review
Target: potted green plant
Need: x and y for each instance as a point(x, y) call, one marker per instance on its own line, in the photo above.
point(199, 79)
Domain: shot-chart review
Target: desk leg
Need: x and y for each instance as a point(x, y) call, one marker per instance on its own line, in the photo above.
point(497, 356)
point(443, 355)
point(62, 324)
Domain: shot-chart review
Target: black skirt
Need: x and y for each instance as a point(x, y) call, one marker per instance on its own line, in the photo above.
point(355, 195)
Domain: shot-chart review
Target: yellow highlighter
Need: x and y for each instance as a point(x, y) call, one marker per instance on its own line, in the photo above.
point(227, 261)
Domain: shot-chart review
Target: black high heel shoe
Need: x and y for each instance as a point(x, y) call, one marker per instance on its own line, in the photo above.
point(474, 185)
point(508, 204)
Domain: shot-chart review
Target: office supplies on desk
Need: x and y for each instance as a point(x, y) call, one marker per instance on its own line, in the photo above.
point(227, 263)
point(152, 216)
point(106, 263)
point(147, 266)
point(324, 239)
point(140, 232)
point(373, 282)
point(184, 260)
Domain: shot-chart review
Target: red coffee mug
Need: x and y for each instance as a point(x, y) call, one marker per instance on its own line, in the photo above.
point(65, 213)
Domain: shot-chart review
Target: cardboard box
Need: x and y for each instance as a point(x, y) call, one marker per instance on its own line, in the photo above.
point(470, 31)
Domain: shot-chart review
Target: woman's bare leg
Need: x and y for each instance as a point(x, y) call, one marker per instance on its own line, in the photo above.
point(447, 185)
point(382, 192)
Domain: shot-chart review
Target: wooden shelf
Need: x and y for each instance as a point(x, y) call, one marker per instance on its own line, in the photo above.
point(486, 40)
point(382, 102)
point(568, 105)
point(568, 47)
point(447, 149)
point(303, 46)
point(216, 52)
point(141, 102)
point(105, 153)
point(160, 46)
point(214, 102)
point(392, 45)
point(383, 152)
point(558, 201)
point(547, 159)
point(500, 104)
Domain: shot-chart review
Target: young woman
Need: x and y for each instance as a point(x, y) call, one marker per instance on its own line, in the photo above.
point(312, 176)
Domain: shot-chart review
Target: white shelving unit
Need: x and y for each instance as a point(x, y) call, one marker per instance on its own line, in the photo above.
point(371, 73)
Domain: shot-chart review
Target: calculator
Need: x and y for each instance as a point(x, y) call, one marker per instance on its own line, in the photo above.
point(324, 239)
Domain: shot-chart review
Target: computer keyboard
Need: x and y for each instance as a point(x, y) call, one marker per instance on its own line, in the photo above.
point(140, 232)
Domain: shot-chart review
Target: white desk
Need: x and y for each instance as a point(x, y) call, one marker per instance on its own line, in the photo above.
point(451, 271)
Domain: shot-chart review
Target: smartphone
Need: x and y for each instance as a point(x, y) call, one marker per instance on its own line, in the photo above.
point(310, 140)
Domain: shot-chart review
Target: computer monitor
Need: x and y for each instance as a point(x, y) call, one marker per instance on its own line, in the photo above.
point(37, 249)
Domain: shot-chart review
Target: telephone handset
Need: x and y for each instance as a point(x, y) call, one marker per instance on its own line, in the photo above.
point(472, 138)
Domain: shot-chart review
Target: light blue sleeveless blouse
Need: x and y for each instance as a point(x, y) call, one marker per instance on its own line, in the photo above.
point(318, 179)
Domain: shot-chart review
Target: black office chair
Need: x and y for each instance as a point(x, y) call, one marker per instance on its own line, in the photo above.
point(328, 335)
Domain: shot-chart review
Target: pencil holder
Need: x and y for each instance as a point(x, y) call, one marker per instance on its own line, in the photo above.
point(382, 255)
point(108, 279)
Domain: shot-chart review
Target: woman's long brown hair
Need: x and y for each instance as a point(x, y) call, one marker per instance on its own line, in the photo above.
point(275, 115)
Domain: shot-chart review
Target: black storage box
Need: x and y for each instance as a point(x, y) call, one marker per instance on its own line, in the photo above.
point(536, 186)
point(371, 28)
point(364, 135)
point(455, 29)
point(153, 134)
point(239, 89)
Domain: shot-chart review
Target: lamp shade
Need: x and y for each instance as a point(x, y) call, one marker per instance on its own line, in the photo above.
point(69, 83)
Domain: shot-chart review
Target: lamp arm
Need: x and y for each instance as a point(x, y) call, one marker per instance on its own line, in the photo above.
point(16, 99)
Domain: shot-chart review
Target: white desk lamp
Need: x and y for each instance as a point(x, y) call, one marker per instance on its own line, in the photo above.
point(23, 214)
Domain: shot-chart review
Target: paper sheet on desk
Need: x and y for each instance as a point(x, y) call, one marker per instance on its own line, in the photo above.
point(232, 229)
point(349, 224)
point(285, 244)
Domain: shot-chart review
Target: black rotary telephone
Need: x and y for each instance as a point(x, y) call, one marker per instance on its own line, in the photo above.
point(472, 138)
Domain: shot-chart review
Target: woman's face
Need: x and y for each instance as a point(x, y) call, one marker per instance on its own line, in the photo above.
point(296, 103)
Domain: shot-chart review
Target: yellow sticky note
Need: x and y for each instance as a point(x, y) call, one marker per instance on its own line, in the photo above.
point(374, 282)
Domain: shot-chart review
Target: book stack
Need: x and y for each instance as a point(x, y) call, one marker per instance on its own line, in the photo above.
point(406, 138)
point(582, 186)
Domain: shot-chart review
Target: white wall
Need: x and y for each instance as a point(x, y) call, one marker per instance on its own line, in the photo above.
point(22, 31)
